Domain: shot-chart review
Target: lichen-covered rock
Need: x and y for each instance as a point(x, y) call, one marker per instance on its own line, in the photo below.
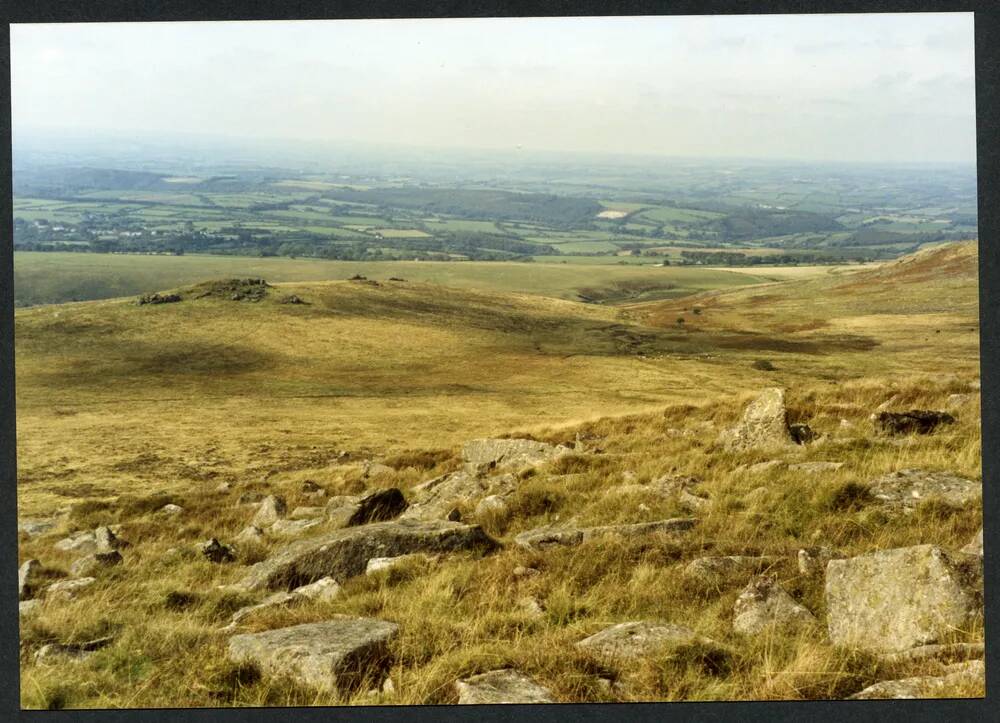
point(907, 488)
point(765, 604)
point(764, 424)
point(896, 599)
point(497, 453)
point(335, 655)
point(28, 579)
point(719, 572)
point(342, 554)
point(976, 546)
point(548, 536)
point(971, 674)
point(171, 509)
point(501, 686)
point(270, 510)
point(626, 641)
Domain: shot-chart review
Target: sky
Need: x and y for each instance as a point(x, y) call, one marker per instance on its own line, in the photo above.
point(883, 88)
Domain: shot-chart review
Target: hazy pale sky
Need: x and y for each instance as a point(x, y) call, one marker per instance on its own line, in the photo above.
point(824, 87)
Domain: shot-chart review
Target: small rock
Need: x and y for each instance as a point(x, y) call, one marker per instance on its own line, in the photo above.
point(813, 560)
point(976, 546)
point(501, 686)
point(765, 604)
point(278, 599)
point(51, 653)
point(335, 655)
point(957, 401)
point(531, 607)
point(943, 653)
point(293, 528)
point(67, 589)
point(27, 608)
point(106, 540)
point(380, 564)
point(270, 510)
point(250, 498)
point(764, 424)
point(388, 688)
point(626, 641)
point(307, 513)
point(376, 469)
point(224, 487)
point(764, 466)
point(89, 565)
point(28, 579)
point(719, 572)
point(323, 590)
point(251, 534)
point(963, 674)
point(171, 509)
point(492, 507)
point(915, 421)
point(34, 528)
point(215, 551)
point(521, 571)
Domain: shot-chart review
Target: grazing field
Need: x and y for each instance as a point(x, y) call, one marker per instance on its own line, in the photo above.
point(123, 408)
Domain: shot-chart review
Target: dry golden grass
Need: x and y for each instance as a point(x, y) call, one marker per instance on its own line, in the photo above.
point(119, 402)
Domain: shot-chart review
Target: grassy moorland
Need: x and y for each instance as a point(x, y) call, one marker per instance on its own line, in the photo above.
point(119, 403)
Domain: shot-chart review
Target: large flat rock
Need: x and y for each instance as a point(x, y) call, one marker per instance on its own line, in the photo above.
point(541, 538)
point(897, 599)
point(501, 686)
point(907, 488)
point(497, 453)
point(334, 655)
point(638, 639)
point(342, 554)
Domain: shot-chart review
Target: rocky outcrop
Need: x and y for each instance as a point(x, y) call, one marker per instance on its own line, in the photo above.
point(436, 498)
point(510, 453)
point(897, 599)
point(336, 655)
point(345, 553)
point(907, 488)
point(765, 604)
point(971, 674)
point(764, 424)
point(915, 421)
point(543, 537)
point(626, 641)
point(501, 686)
point(720, 572)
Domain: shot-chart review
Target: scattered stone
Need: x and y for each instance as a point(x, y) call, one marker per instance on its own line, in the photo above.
point(846, 424)
point(290, 299)
point(270, 510)
point(380, 564)
point(249, 535)
point(223, 487)
point(815, 467)
point(376, 469)
point(907, 488)
point(342, 554)
point(323, 590)
point(171, 509)
point(813, 560)
point(942, 653)
point(27, 608)
point(501, 686)
point(531, 607)
point(158, 299)
point(520, 571)
point(627, 641)
point(543, 537)
point(80, 542)
point(35, 528)
point(335, 655)
point(67, 589)
point(916, 421)
point(492, 507)
point(499, 453)
point(801, 433)
point(215, 551)
point(765, 604)
point(293, 528)
point(720, 572)
point(89, 565)
point(764, 424)
point(976, 546)
point(960, 675)
point(28, 579)
point(896, 599)
point(107, 541)
point(307, 513)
